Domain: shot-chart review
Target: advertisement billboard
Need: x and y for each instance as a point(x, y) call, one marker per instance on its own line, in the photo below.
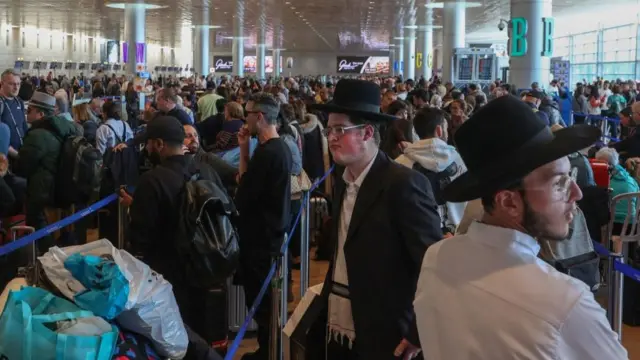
point(223, 64)
point(363, 64)
point(250, 64)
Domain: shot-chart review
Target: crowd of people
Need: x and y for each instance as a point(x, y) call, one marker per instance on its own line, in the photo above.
point(497, 173)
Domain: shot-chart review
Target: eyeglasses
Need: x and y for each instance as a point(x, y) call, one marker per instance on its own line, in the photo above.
point(339, 130)
point(562, 188)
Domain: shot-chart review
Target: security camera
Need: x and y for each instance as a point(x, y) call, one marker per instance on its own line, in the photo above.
point(502, 24)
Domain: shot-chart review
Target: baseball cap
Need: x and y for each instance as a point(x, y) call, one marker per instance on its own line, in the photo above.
point(535, 94)
point(167, 128)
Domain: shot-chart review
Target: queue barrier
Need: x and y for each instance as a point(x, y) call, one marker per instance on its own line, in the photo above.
point(279, 284)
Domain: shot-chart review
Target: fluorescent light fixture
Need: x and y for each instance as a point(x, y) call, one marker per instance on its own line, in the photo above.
point(411, 26)
point(398, 38)
point(440, 5)
point(206, 26)
point(122, 5)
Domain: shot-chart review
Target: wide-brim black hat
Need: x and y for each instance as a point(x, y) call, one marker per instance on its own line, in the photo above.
point(503, 142)
point(357, 98)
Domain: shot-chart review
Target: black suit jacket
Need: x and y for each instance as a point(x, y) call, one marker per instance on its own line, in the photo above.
point(394, 220)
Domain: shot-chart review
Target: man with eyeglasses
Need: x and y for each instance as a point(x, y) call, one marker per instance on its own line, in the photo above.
point(263, 200)
point(384, 217)
point(495, 298)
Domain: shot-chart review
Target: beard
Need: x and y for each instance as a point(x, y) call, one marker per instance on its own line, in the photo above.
point(538, 227)
point(154, 158)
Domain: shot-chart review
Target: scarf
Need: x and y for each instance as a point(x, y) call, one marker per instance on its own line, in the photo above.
point(340, 322)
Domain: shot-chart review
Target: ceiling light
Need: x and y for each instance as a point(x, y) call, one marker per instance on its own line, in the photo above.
point(293, 8)
point(297, 12)
point(440, 5)
point(287, 3)
point(117, 5)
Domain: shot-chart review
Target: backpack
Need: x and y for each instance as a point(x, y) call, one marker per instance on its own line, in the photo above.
point(207, 240)
point(438, 180)
point(79, 172)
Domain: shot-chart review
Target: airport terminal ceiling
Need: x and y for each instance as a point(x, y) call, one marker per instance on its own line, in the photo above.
point(306, 25)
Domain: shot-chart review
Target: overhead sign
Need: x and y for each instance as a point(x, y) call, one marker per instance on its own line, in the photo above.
point(518, 38)
point(222, 64)
point(363, 64)
point(419, 60)
point(251, 64)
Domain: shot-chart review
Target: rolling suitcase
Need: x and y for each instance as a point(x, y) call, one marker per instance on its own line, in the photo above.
point(238, 308)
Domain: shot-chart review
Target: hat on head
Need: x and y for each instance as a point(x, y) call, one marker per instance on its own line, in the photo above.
point(42, 101)
point(359, 98)
point(536, 94)
point(167, 128)
point(503, 142)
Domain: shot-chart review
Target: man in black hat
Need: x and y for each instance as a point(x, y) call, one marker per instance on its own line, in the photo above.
point(384, 218)
point(533, 98)
point(496, 299)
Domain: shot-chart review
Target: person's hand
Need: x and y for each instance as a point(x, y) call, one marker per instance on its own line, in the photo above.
point(407, 349)
point(119, 147)
point(4, 165)
point(244, 136)
point(13, 153)
point(403, 145)
point(125, 199)
point(447, 235)
point(185, 149)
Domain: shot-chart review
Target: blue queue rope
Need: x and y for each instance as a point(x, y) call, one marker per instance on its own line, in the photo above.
point(272, 271)
point(618, 266)
point(26, 240)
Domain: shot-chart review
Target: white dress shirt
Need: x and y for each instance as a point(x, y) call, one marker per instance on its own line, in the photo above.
point(487, 295)
point(340, 316)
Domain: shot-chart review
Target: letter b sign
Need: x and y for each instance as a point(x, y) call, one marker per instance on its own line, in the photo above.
point(548, 25)
point(518, 37)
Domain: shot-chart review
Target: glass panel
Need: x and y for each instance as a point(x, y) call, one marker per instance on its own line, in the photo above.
point(618, 68)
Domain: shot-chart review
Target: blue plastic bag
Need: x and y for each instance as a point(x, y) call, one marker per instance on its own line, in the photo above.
point(28, 329)
point(107, 288)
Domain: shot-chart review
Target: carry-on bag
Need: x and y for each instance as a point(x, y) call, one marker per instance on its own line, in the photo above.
point(238, 308)
point(37, 325)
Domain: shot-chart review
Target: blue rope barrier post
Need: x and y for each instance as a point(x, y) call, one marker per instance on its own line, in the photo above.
point(304, 244)
point(284, 308)
point(276, 285)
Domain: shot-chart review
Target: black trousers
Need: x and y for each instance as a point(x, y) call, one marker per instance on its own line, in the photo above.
point(254, 270)
point(340, 350)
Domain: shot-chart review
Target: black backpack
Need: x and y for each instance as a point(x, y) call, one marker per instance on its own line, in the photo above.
point(207, 240)
point(79, 172)
point(438, 180)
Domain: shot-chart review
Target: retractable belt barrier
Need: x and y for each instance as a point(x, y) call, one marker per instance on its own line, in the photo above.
point(618, 266)
point(37, 235)
point(265, 285)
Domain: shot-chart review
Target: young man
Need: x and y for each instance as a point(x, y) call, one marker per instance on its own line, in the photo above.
point(494, 297)
point(263, 200)
point(384, 218)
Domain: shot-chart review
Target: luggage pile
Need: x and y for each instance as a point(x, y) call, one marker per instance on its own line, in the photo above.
point(95, 302)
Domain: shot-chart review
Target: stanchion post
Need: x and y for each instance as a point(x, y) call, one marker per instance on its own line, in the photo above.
point(304, 243)
point(284, 303)
point(276, 283)
point(611, 289)
point(121, 218)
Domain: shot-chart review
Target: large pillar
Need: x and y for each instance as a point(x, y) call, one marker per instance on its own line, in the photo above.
point(392, 61)
point(424, 45)
point(400, 56)
point(453, 35)
point(275, 52)
point(134, 27)
point(260, 51)
point(201, 58)
point(410, 52)
point(531, 26)
point(238, 39)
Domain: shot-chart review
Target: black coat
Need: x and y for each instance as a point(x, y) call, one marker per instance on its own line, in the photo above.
point(394, 220)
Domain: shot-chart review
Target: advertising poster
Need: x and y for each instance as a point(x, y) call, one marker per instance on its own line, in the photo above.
point(222, 64)
point(363, 64)
point(250, 64)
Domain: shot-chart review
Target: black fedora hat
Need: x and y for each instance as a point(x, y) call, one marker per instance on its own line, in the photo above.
point(359, 98)
point(503, 142)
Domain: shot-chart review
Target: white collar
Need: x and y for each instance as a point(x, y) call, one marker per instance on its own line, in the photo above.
point(499, 237)
point(348, 178)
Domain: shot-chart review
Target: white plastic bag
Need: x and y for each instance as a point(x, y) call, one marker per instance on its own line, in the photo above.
point(151, 309)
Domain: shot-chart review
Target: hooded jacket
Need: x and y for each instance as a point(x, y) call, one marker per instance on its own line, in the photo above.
point(38, 157)
point(436, 155)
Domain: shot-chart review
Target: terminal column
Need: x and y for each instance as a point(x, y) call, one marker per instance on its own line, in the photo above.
point(275, 51)
point(400, 54)
point(238, 39)
point(410, 52)
point(530, 42)
point(260, 50)
point(134, 34)
point(453, 35)
point(425, 44)
point(201, 59)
